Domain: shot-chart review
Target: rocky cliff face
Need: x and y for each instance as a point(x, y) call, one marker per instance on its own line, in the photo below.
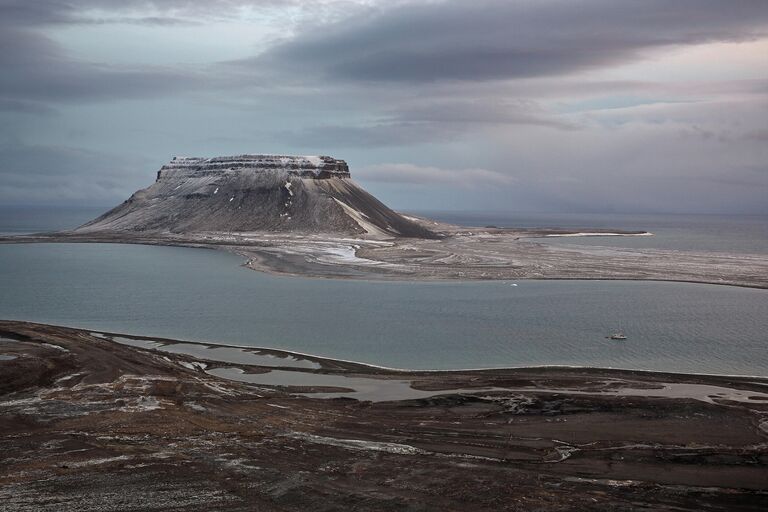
point(255, 193)
point(318, 167)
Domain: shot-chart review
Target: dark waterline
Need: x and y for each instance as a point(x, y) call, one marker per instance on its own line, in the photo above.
point(205, 295)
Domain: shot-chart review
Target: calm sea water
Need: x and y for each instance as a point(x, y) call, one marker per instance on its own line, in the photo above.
point(746, 234)
point(205, 295)
point(18, 220)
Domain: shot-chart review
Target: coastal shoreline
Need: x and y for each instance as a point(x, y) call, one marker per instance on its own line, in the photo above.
point(375, 369)
point(461, 254)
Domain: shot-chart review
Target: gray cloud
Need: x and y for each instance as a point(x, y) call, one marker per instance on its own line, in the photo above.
point(48, 12)
point(37, 69)
point(425, 122)
point(479, 111)
point(457, 93)
point(40, 71)
point(37, 173)
point(496, 39)
point(427, 175)
point(45, 12)
point(159, 21)
point(25, 13)
point(758, 135)
point(26, 107)
point(384, 134)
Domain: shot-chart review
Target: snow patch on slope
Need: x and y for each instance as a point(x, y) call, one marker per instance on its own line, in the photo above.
point(363, 221)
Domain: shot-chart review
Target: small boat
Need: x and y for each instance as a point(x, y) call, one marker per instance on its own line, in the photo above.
point(618, 335)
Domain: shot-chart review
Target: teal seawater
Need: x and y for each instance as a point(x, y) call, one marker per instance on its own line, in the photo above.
point(205, 295)
point(744, 234)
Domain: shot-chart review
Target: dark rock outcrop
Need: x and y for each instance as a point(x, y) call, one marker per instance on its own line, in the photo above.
point(318, 167)
point(247, 193)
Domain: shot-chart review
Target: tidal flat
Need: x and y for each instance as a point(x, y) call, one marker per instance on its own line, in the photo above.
point(456, 253)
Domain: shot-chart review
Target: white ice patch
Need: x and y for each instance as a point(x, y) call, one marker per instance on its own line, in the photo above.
point(231, 199)
point(359, 444)
point(345, 254)
point(144, 403)
point(564, 451)
point(288, 188)
point(96, 462)
point(21, 401)
point(193, 366)
point(56, 347)
point(216, 191)
point(218, 388)
point(67, 377)
point(195, 407)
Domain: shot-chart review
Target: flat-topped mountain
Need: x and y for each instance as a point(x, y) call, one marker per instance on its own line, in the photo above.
point(246, 193)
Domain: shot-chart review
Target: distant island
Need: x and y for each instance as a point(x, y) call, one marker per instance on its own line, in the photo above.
point(304, 215)
point(248, 193)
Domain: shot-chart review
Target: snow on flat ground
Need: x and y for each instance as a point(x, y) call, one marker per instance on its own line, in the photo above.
point(345, 254)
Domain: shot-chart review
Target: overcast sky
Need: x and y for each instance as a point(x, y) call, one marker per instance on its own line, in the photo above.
point(519, 105)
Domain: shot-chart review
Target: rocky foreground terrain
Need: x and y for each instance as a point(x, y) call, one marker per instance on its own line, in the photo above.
point(90, 424)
